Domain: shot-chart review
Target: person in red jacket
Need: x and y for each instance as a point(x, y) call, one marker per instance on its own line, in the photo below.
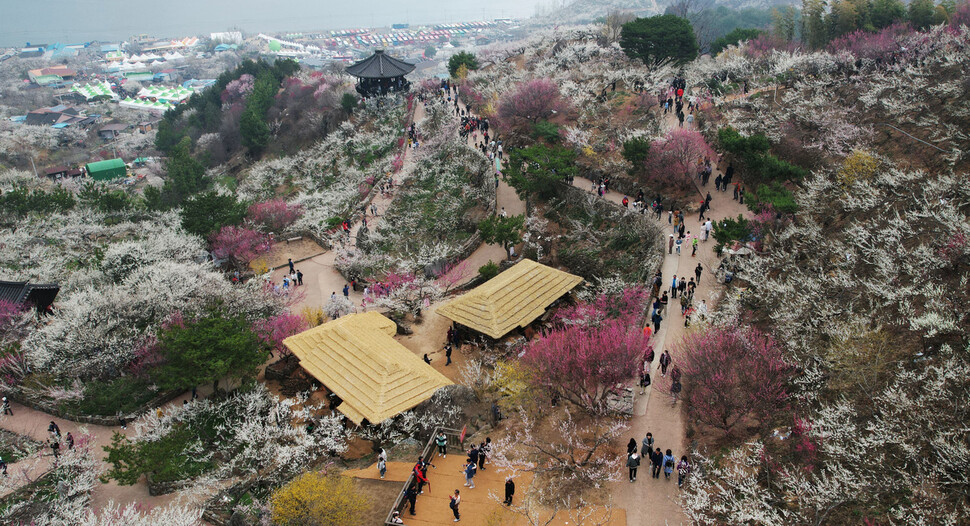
point(421, 474)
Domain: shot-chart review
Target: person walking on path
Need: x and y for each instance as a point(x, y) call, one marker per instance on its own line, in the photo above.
point(664, 300)
point(664, 362)
point(683, 469)
point(675, 389)
point(697, 272)
point(484, 449)
point(442, 442)
point(693, 244)
point(669, 462)
point(56, 449)
point(382, 466)
point(454, 502)
point(633, 462)
point(70, 441)
point(6, 407)
point(290, 263)
point(54, 430)
point(670, 244)
point(509, 490)
point(420, 475)
point(412, 497)
point(631, 447)
point(645, 378)
point(470, 470)
point(299, 278)
point(673, 287)
point(346, 290)
point(448, 353)
point(647, 446)
point(656, 462)
point(657, 318)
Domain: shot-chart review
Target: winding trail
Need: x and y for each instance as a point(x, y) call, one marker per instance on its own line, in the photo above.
point(650, 501)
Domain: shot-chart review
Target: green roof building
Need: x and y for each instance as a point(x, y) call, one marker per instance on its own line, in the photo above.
point(43, 80)
point(107, 170)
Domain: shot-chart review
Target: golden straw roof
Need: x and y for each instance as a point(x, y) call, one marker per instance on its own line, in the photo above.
point(357, 358)
point(512, 299)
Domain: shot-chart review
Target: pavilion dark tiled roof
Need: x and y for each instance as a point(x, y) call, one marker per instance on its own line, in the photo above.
point(380, 66)
point(23, 293)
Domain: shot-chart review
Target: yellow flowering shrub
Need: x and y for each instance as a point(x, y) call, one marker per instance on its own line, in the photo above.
point(313, 315)
point(860, 164)
point(259, 266)
point(317, 499)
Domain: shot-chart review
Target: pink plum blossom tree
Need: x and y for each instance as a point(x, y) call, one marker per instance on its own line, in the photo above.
point(730, 374)
point(274, 215)
point(239, 244)
point(275, 329)
point(532, 101)
point(238, 89)
point(675, 157)
point(582, 364)
point(8, 311)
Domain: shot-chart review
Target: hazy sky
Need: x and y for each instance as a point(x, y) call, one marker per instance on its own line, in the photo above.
point(75, 21)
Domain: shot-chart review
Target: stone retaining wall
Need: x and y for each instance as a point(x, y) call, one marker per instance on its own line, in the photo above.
point(110, 421)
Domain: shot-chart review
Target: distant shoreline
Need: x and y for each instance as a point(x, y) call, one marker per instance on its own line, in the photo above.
point(77, 21)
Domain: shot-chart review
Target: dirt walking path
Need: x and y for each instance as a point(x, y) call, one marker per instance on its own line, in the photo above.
point(320, 275)
point(33, 423)
point(651, 501)
point(505, 197)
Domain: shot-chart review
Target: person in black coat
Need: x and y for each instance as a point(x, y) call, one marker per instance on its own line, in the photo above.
point(412, 496)
point(509, 490)
point(656, 461)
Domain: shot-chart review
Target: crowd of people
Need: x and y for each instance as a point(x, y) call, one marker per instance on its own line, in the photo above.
point(475, 461)
point(659, 461)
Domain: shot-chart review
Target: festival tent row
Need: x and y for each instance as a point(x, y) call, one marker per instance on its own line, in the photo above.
point(148, 105)
point(93, 91)
point(357, 358)
point(513, 299)
point(162, 94)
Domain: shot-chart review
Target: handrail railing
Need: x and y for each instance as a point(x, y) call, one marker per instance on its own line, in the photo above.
point(454, 436)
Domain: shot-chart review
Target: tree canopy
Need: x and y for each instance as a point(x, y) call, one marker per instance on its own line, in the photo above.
point(208, 349)
point(732, 38)
point(506, 231)
point(316, 499)
point(659, 39)
point(206, 213)
point(462, 58)
point(539, 169)
point(186, 176)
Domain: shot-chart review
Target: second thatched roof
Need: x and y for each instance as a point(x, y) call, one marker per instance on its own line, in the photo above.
point(512, 299)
